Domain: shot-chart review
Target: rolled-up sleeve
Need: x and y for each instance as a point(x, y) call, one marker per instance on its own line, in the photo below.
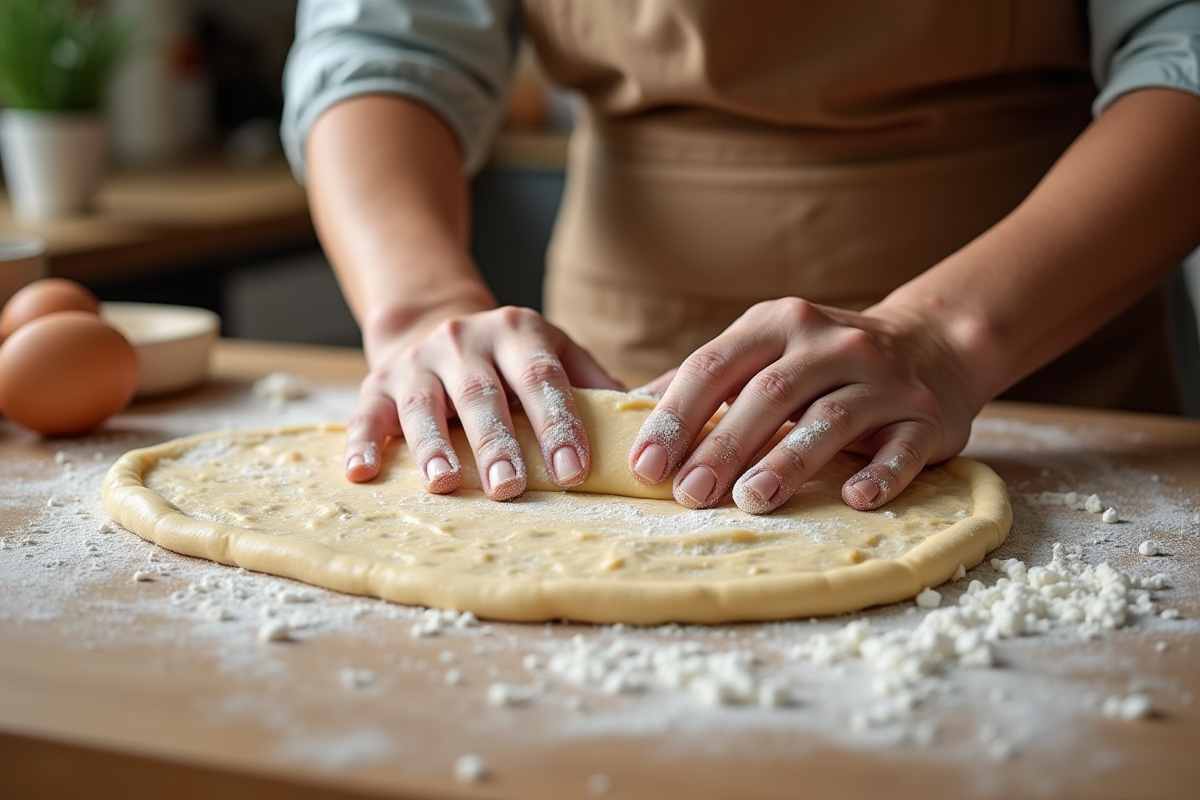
point(454, 56)
point(1138, 44)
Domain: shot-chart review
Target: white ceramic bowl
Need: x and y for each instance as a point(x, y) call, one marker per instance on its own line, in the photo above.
point(173, 343)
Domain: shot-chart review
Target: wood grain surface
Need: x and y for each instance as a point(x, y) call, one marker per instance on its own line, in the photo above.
point(107, 698)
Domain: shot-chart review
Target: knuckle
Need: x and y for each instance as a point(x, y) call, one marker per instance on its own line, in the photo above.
point(360, 423)
point(794, 458)
point(794, 309)
point(410, 356)
point(515, 317)
point(376, 382)
point(908, 456)
point(497, 439)
point(540, 369)
point(708, 366)
point(927, 407)
point(857, 340)
point(724, 446)
point(453, 329)
point(358, 419)
point(836, 413)
point(477, 389)
point(419, 402)
point(774, 387)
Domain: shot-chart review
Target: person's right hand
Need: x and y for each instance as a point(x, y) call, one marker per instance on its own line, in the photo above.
point(472, 365)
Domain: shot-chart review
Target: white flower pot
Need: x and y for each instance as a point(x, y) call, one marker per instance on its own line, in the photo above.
point(52, 161)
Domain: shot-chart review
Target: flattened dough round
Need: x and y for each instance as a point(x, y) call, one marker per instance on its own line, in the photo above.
point(276, 501)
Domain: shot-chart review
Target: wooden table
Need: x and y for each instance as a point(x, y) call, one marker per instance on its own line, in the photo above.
point(106, 691)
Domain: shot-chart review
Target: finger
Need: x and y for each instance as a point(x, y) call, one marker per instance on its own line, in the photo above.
point(583, 370)
point(658, 386)
point(904, 454)
point(540, 382)
point(422, 411)
point(700, 386)
point(372, 422)
point(757, 413)
point(477, 394)
point(826, 427)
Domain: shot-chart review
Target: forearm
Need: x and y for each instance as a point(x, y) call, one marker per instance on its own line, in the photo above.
point(1114, 215)
point(391, 209)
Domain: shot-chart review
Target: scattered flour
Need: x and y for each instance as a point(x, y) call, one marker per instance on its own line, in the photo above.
point(352, 678)
point(626, 666)
point(504, 694)
point(278, 388)
point(436, 621)
point(932, 598)
point(1134, 706)
point(274, 631)
point(470, 768)
point(906, 679)
point(599, 784)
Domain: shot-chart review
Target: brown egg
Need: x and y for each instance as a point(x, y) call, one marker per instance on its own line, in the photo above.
point(45, 297)
point(65, 373)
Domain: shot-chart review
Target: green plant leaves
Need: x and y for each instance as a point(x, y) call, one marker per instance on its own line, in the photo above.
point(56, 55)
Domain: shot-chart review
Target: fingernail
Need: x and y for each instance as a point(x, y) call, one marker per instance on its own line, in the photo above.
point(868, 489)
point(437, 466)
point(501, 473)
point(354, 462)
point(698, 485)
point(763, 486)
point(651, 464)
point(566, 463)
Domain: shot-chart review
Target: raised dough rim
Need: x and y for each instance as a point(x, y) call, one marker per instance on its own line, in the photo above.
point(842, 589)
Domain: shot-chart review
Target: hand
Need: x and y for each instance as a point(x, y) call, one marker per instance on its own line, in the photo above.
point(874, 382)
point(467, 365)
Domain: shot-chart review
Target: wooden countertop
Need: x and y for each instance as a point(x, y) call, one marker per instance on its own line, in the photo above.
point(109, 688)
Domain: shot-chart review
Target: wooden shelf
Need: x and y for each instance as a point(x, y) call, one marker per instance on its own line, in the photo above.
point(156, 221)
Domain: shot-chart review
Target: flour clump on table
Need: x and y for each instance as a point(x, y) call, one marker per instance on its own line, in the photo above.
point(611, 551)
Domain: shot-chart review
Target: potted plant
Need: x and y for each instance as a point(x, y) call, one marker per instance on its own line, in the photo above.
point(56, 59)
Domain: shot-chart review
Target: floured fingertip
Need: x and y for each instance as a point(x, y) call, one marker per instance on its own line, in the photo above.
point(441, 476)
point(506, 479)
point(760, 492)
point(362, 464)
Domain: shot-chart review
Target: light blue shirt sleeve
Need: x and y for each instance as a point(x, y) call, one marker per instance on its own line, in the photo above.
point(1138, 44)
point(454, 56)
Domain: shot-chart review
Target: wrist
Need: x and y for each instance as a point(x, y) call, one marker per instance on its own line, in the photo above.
point(958, 347)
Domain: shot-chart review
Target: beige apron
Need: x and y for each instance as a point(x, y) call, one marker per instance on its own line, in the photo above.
point(733, 151)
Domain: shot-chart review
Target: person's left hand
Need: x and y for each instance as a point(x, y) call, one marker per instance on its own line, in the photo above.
point(891, 386)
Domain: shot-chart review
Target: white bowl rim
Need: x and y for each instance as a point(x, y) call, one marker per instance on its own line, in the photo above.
point(183, 322)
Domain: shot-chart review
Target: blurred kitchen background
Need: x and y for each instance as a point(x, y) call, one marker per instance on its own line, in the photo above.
point(198, 206)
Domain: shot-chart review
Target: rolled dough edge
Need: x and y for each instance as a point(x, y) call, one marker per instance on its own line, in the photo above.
point(132, 505)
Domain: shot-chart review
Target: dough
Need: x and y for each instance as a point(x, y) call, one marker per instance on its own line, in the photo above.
point(276, 501)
